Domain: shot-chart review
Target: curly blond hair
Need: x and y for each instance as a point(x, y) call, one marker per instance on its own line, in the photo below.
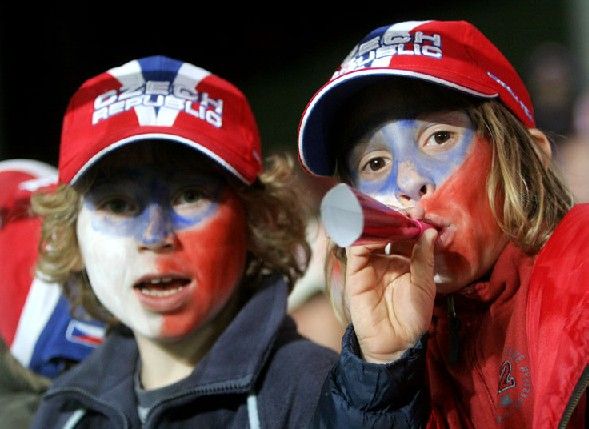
point(276, 234)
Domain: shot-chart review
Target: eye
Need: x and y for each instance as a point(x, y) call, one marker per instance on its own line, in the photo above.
point(188, 196)
point(118, 206)
point(191, 201)
point(440, 140)
point(374, 165)
point(441, 137)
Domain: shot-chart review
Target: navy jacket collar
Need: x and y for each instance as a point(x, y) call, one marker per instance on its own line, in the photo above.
point(231, 365)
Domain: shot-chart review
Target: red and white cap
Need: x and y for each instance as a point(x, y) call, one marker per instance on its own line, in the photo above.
point(160, 98)
point(454, 54)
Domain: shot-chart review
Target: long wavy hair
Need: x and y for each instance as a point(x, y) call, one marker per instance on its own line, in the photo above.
point(276, 232)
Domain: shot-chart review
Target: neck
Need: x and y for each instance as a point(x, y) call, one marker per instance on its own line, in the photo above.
point(164, 362)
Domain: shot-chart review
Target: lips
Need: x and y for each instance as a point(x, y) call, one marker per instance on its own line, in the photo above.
point(164, 294)
point(446, 231)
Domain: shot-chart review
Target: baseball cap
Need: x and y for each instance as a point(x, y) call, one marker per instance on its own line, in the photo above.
point(454, 54)
point(35, 318)
point(159, 98)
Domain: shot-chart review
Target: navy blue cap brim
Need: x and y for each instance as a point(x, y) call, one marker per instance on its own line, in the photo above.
point(316, 151)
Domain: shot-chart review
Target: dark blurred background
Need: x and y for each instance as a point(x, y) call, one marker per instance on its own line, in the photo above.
point(277, 56)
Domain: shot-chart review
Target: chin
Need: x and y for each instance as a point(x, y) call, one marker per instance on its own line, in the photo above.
point(155, 336)
point(164, 337)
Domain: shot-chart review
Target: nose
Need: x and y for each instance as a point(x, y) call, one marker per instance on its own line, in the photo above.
point(412, 185)
point(158, 232)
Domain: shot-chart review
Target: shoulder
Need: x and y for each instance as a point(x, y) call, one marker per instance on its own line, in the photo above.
point(301, 363)
point(299, 352)
point(294, 376)
point(558, 294)
point(570, 236)
point(557, 321)
point(563, 263)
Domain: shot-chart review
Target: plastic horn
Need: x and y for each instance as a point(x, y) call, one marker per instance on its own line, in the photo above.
point(351, 217)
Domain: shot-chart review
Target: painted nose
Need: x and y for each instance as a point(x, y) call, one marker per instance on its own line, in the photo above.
point(412, 185)
point(158, 232)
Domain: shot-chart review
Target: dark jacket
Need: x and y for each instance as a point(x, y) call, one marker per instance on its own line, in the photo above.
point(259, 372)
point(513, 354)
point(360, 395)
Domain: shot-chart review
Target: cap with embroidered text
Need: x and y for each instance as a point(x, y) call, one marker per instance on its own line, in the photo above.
point(454, 54)
point(160, 98)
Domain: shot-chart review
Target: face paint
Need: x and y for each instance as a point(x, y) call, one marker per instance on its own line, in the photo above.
point(137, 204)
point(436, 167)
point(470, 238)
point(404, 158)
point(162, 253)
point(216, 255)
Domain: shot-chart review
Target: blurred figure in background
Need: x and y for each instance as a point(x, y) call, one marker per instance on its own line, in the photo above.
point(553, 81)
point(309, 303)
point(38, 337)
point(572, 155)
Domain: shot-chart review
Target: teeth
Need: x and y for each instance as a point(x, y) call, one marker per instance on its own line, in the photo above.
point(158, 281)
point(160, 292)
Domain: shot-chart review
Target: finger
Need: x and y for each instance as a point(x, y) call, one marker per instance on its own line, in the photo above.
point(365, 249)
point(358, 257)
point(400, 247)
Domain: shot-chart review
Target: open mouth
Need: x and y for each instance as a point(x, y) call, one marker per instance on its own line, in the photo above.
point(161, 286)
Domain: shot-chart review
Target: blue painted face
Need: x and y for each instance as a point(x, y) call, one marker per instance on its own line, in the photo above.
point(148, 205)
point(406, 159)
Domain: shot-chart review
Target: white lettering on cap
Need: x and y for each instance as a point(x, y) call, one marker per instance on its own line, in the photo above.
point(378, 51)
point(158, 103)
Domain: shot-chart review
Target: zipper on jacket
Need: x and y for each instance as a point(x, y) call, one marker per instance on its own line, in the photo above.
point(575, 398)
point(226, 388)
point(453, 331)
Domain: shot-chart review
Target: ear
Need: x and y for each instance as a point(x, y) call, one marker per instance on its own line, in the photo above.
point(542, 144)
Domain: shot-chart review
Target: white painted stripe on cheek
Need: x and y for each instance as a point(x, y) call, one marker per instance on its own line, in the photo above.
point(114, 264)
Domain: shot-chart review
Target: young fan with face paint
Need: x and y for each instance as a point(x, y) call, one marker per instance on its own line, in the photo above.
point(187, 248)
point(480, 322)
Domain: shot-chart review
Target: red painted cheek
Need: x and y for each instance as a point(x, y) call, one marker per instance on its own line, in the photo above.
point(215, 253)
point(462, 200)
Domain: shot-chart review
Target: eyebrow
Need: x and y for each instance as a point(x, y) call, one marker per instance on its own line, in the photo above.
point(450, 117)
